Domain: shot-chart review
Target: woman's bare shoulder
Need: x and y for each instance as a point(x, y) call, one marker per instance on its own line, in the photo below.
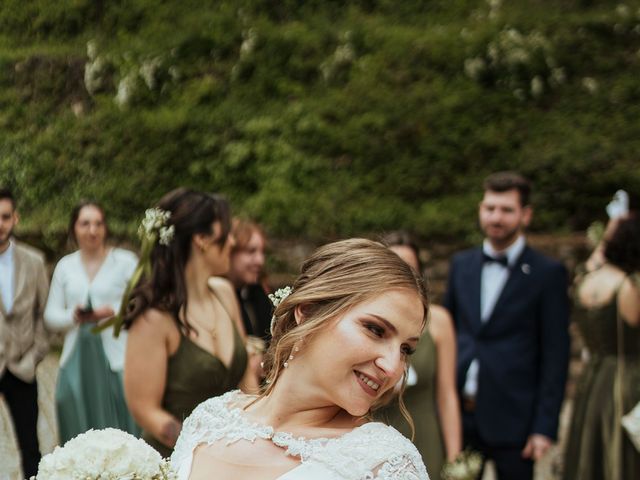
point(439, 316)
point(440, 322)
point(154, 320)
point(220, 284)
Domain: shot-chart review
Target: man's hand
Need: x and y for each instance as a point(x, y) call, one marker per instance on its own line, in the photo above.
point(536, 447)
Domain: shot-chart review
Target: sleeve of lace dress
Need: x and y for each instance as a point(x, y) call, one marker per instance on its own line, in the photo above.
point(191, 430)
point(408, 466)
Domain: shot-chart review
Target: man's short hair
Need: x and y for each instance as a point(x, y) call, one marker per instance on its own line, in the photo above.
point(6, 194)
point(505, 181)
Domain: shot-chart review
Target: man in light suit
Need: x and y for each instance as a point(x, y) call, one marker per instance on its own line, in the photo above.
point(510, 308)
point(23, 343)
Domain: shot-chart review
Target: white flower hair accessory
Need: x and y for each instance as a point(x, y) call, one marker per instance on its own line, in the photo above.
point(277, 298)
point(154, 225)
point(153, 228)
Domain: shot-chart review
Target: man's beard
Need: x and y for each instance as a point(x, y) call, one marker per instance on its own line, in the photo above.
point(505, 238)
point(5, 238)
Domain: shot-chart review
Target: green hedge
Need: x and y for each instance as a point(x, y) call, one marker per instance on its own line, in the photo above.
point(320, 119)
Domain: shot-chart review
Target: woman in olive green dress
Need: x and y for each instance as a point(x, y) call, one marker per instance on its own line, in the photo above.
point(430, 395)
point(186, 338)
point(607, 297)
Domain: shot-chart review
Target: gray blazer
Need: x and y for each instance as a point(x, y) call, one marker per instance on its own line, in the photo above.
point(23, 340)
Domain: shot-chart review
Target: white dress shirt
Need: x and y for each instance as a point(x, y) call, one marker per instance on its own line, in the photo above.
point(7, 275)
point(494, 278)
point(70, 287)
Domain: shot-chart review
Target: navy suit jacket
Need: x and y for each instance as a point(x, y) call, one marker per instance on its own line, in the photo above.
point(522, 349)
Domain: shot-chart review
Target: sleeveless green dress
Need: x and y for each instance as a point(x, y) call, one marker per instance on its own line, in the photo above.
point(193, 376)
point(591, 452)
point(420, 400)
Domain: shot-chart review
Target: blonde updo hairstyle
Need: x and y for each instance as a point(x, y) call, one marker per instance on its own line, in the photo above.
point(333, 280)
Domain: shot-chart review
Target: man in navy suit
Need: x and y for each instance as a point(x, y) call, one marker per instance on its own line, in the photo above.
point(510, 307)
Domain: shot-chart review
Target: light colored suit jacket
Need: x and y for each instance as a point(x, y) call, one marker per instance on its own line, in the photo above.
point(23, 340)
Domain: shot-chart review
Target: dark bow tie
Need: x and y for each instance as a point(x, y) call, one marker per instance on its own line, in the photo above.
point(502, 259)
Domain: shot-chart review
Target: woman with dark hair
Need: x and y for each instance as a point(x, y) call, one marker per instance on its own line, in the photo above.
point(186, 338)
point(340, 342)
point(87, 287)
point(607, 313)
point(430, 394)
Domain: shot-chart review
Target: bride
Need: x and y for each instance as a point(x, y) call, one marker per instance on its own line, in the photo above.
point(341, 338)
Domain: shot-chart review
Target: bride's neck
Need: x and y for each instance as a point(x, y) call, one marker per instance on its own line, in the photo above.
point(295, 404)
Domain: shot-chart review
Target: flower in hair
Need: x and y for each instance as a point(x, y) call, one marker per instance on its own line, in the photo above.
point(153, 228)
point(154, 225)
point(166, 235)
point(280, 294)
point(277, 298)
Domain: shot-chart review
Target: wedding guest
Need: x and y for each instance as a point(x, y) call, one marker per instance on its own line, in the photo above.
point(430, 395)
point(87, 287)
point(607, 312)
point(340, 342)
point(186, 338)
point(23, 341)
point(246, 273)
point(510, 307)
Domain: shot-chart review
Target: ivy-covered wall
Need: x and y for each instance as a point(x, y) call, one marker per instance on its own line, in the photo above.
point(320, 119)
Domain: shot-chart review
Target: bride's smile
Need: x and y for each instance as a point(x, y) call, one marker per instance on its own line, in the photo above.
point(360, 356)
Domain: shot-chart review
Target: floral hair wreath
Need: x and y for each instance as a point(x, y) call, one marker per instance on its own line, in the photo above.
point(153, 229)
point(154, 226)
point(277, 298)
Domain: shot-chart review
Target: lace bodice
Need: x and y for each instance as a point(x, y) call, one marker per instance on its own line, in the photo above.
point(373, 451)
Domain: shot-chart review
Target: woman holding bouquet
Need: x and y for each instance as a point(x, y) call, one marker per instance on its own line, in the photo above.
point(87, 287)
point(186, 339)
point(340, 342)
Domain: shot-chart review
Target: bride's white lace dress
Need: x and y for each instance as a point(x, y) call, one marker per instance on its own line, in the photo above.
point(371, 451)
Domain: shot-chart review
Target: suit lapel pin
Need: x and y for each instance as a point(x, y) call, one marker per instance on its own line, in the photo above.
point(526, 268)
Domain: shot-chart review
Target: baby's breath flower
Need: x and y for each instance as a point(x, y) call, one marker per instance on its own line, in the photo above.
point(466, 466)
point(166, 235)
point(107, 454)
point(279, 295)
point(154, 226)
point(277, 298)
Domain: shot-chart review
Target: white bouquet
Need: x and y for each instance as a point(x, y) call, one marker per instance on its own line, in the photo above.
point(108, 454)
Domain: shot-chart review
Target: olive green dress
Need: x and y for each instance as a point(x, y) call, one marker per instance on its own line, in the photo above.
point(591, 452)
point(193, 376)
point(420, 400)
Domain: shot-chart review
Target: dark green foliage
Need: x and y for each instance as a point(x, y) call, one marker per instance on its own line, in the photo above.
point(320, 119)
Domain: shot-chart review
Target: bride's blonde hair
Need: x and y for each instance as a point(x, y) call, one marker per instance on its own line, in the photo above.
point(334, 279)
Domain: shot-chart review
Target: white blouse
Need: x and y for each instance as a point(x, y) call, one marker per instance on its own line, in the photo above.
point(70, 287)
point(373, 451)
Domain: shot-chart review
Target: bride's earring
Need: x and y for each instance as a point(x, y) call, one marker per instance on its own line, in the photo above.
point(296, 349)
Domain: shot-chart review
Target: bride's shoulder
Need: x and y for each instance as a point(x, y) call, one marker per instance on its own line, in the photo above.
point(221, 405)
point(374, 450)
point(213, 419)
point(384, 437)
